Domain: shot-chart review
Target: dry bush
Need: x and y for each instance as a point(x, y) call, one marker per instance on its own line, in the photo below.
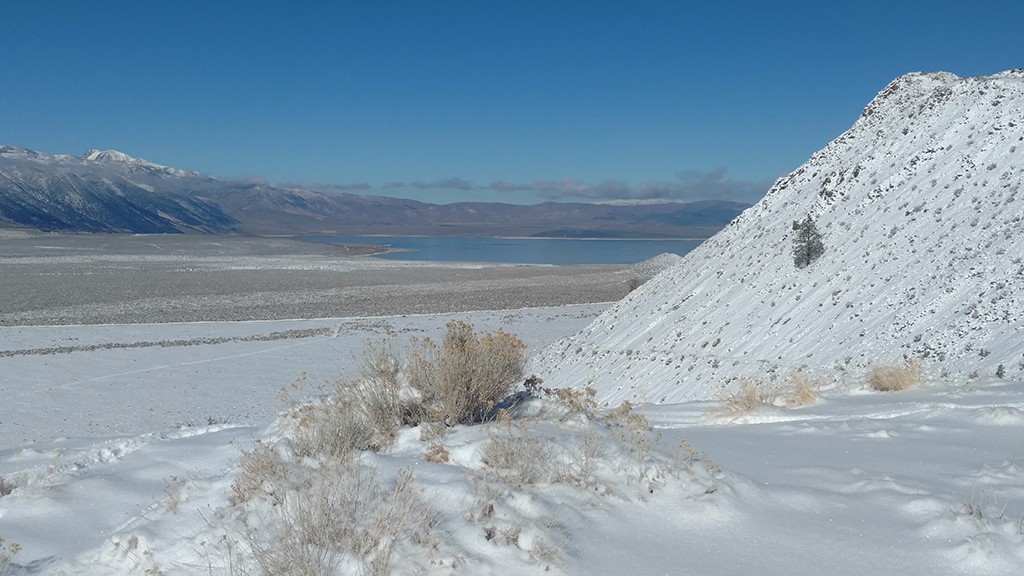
point(260, 473)
point(752, 395)
point(576, 465)
point(632, 430)
point(333, 428)
point(389, 402)
point(359, 415)
point(174, 488)
point(464, 377)
point(327, 427)
point(687, 458)
point(457, 382)
point(803, 389)
point(437, 454)
point(892, 377)
point(8, 551)
point(340, 513)
point(576, 401)
point(514, 454)
point(545, 553)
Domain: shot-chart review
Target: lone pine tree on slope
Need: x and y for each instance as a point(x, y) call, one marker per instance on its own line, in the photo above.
point(807, 245)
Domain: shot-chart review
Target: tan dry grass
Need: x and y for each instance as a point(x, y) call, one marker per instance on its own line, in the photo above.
point(752, 395)
point(260, 473)
point(803, 389)
point(894, 377)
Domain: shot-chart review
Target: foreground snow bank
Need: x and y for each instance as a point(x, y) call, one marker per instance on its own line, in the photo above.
point(923, 481)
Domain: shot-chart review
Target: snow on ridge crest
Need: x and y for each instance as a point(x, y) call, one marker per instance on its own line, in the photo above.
point(111, 156)
point(920, 207)
point(112, 159)
point(117, 157)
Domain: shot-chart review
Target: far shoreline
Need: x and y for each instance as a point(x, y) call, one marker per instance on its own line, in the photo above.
point(504, 249)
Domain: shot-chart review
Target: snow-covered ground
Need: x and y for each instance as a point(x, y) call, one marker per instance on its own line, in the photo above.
point(97, 420)
point(126, 380)
point(926, 481)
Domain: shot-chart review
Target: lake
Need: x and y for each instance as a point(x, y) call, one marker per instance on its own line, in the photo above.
point(515, 250)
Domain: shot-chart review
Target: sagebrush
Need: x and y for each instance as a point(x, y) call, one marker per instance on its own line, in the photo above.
point(467, 375)
point(514, 454)
point(338, 512)
point(457, 382)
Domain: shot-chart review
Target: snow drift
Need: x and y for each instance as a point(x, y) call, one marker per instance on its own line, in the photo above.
point(922, 225)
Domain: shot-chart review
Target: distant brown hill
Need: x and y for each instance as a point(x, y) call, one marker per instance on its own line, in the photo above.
point(269, 210)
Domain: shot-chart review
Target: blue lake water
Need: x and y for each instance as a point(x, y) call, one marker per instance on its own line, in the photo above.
point(515, 250)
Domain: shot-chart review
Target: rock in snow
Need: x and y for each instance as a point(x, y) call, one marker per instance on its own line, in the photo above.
point(922, 217)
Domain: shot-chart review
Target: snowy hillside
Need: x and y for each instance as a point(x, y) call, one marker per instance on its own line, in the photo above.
point(106, 191)
point(924, 237)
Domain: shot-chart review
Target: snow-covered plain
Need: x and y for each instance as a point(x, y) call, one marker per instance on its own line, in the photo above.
point(128, 460)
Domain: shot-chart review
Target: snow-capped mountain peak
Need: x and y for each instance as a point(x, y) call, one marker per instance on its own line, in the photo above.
point(116, 157)
point(111, 156)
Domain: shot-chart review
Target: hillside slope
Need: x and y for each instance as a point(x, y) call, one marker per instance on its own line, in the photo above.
point(920, 208)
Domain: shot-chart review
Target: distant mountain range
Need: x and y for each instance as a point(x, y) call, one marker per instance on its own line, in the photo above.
point(109, 191)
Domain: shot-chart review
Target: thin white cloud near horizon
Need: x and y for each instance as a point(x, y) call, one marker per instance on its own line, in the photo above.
point(690, 185)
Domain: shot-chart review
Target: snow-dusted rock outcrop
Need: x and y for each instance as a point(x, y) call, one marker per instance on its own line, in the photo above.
point(922, 214)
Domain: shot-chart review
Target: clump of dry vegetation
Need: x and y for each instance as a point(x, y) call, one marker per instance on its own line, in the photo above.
point(751, 395)
point(260, 474)
point(461, 380)
point(309, 515)
point(894, 377)
point(636, 438)
point(802, 389)
point(338, 511)
point(514, 454)
point(313, 504)
point(8, 551)
point(457, 382)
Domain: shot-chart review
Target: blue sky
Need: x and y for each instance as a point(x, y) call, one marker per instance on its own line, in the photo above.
point(515, 101)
